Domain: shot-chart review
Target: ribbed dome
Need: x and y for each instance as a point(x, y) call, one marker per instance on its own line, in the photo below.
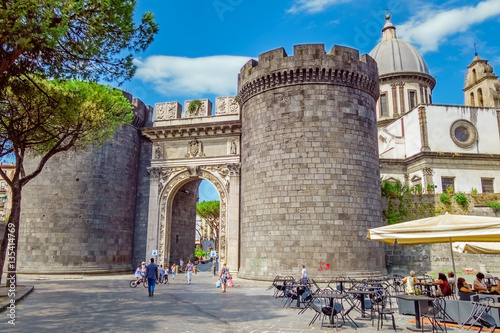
point(395, 55)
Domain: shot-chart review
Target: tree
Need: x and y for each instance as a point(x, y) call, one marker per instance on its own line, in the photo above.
point(210, 211)
point(68, 115)
point(86, 39)
point(62, 39)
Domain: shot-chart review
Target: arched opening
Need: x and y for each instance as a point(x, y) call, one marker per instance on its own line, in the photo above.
point(178, 228)
point(472, 102)
point(480, 97)
point(474, 76)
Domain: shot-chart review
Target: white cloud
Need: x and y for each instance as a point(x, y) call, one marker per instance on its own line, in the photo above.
point(312, 6)
point(431, 27)
point(170, 75)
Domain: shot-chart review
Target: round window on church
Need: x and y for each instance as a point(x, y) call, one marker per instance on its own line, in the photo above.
point(463, 133)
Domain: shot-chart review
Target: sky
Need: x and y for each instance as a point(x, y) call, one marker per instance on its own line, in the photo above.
point(202, 44)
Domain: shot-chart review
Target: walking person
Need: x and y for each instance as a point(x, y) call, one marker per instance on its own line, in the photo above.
point(223, 276)
point(152, 275)
point(161, 272)
point(181, 263)
point(189, 271)
point(174, 267)
point(303, 276)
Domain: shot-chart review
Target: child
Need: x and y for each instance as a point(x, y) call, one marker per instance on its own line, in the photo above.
point(174, 266)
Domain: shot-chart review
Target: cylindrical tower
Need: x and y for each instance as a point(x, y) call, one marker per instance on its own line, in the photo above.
point(310, 183)
point(78, 214)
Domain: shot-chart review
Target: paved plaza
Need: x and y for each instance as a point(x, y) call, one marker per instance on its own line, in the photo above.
point(108, 304)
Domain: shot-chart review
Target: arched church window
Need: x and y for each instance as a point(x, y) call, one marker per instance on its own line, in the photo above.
point(472, 103)
point(480, 97)
point(474, 75)
point(412, 98)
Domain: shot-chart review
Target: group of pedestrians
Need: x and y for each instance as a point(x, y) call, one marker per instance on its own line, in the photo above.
point(153, 273)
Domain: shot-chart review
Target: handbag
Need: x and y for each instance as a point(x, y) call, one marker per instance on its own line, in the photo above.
point(217, 284)
point(230, 282)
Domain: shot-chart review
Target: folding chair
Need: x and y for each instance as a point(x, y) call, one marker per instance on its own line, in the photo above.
point(481, 316)
point(437, 315)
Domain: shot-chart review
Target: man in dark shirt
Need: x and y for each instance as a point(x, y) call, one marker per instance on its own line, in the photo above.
point(151, 275)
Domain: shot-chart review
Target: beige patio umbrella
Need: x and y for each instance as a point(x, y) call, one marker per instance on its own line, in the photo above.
point(445, 228)
point(477, 248)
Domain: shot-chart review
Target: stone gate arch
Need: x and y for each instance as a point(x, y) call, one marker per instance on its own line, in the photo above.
point(173, 179)
point(197, 146)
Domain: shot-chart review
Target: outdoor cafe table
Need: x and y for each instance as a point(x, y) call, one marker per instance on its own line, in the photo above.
point(341, 282)
point(428, 287)
point(334, 297)
point(298, 285)
point(363, 293)
point(416, 300)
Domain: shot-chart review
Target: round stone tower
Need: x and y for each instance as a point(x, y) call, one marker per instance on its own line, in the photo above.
point(310, 180)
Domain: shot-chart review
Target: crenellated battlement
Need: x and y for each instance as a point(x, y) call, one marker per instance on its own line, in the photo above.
point(224, 106)
point(310, 65)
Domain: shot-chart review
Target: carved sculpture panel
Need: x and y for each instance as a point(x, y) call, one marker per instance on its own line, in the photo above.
point(226, 105)
point(195, 148)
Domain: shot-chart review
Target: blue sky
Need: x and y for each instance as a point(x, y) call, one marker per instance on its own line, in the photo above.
point(202, 44)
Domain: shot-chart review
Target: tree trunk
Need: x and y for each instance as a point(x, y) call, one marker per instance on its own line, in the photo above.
point(3, 251)
point(12, 236)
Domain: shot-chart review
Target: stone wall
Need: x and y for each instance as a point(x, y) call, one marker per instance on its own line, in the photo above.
point(78, 215)
point(142, 204)
point(400, 259)
point(310, 181)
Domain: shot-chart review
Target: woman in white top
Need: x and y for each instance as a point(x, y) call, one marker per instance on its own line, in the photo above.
point(410, 283)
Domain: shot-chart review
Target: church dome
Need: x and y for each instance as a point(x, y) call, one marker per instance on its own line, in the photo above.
point(394, 55)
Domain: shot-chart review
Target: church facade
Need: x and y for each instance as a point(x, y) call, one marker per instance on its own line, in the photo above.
point(431, 145)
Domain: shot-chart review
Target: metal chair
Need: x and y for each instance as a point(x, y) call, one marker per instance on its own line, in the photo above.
point(437, 315)
point(481, 316)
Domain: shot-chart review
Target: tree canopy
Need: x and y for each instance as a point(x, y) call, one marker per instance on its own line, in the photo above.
point(210, 212)
point(86, 39)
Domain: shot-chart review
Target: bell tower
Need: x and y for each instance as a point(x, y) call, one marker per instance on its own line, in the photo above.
point(482, 87)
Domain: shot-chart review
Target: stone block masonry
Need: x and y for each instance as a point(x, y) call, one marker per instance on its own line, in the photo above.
point(79, 215)
point(310, 181)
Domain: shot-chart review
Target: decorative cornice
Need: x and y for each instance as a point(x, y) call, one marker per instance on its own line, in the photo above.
point(301, 76)
point(405, 76)
point(193, 130)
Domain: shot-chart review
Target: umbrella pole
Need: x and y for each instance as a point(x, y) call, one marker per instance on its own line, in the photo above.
point(456, 278)
point(454, 270)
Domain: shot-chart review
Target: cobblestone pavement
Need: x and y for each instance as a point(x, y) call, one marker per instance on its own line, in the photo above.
point(108, 304)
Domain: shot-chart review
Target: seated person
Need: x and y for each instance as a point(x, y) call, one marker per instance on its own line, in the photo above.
point(463, 286)
point(444, 285)
point(451, 278)
point(479, 284)
point(139, 273)
point(409, 282)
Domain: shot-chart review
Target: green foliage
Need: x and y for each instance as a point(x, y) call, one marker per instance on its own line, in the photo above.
point(430, 188)
point(450, 189)
point(445, 198)
point(194, 105)
point(72, 39)
point(70, 114)
point(208, 209)
point(493, 205)
point(473, 191)
point(417, 189)
point(199, 253)
point(461, 199)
